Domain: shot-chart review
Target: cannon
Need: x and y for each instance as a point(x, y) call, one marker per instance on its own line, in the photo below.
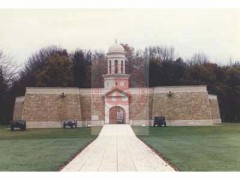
point(21, 124)
point(160, 121)
point(69, 124)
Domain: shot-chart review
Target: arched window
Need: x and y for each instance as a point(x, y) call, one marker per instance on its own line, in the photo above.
point(110, 68)
point(116, 66)
point(122, 67)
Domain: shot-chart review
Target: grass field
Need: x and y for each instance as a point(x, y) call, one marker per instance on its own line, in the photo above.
point(215, 148)
point(41, 149)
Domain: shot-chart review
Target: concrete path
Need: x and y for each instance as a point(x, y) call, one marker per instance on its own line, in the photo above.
point(117, 149)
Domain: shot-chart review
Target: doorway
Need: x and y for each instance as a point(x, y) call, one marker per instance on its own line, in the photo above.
point(116, 115)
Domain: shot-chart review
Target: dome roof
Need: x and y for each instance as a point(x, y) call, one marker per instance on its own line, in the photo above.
point(116, 48)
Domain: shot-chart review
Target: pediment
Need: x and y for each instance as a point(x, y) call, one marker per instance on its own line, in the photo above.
point(116, 92)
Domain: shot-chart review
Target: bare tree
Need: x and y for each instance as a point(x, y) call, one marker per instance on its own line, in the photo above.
point(161, 53)
point(198, 58)
point(8, 68)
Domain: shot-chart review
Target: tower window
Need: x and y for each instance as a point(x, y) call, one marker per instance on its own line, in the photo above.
point(122, 67)
point(110, 67)
point(115, 66)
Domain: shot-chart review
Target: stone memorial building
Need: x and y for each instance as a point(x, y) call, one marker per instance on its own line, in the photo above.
point(117, 102)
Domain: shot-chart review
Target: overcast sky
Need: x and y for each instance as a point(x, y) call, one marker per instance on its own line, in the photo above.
point(214, 32)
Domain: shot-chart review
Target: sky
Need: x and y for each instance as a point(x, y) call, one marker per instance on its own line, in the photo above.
point(215, 32)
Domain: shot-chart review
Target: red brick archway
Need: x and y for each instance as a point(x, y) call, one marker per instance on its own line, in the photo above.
point(116, 115)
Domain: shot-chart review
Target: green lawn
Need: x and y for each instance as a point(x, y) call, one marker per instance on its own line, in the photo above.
point(41, 149)
point(215, 148)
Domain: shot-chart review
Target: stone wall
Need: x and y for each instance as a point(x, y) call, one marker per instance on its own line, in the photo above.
point(179, 104)
point(18, 108)
point(50, 106)
point(214, 109)
point(92, 113)
point(140, 106)
point(92, 108)
point(86, 107)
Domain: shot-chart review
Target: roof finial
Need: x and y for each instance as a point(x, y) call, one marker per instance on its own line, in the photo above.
point(116, 41)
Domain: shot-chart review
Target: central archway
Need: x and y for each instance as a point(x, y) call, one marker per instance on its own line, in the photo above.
point(117, 115)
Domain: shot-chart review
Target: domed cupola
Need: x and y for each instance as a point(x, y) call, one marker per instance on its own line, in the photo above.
point(116, 71)
point(116, 59)
point(116, 48)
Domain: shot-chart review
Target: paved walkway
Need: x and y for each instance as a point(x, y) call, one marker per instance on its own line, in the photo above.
point(117, 149)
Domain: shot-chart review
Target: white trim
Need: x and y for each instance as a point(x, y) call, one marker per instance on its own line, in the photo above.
point(44, 124)
point(141, 122)
point(53, 90)
point(59, 124)
point(180, 89)
point(204, 122)
point(20, 99)
point(217, 121)
point(210, 96)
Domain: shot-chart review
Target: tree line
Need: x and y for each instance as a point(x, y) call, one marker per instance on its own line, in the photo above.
point(158, 65)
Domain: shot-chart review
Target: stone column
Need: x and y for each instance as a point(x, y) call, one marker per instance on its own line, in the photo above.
point(119, 66)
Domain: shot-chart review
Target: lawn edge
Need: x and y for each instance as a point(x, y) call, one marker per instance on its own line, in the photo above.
point(74, 155)
point(160, 155)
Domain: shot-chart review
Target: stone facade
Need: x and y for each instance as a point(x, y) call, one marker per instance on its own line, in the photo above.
point(215, 109)
point(184, 106)
point(181, 105)
point(51, 106)
point(18, 108)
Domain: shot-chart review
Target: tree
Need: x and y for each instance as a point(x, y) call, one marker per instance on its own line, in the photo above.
point(3, 89)
point(81, 68)
point(35, 64)
point(3, 84)
point(8, 68)
point(128, 50)
point(8, 73)
point(98, 69)
point(137, 66)
point(201, 73)
point(199, 59)
point(230, 94)
point(54, 67)
point(160, 53)
point(167, 73)
point(154, 73)
point(57, 72)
